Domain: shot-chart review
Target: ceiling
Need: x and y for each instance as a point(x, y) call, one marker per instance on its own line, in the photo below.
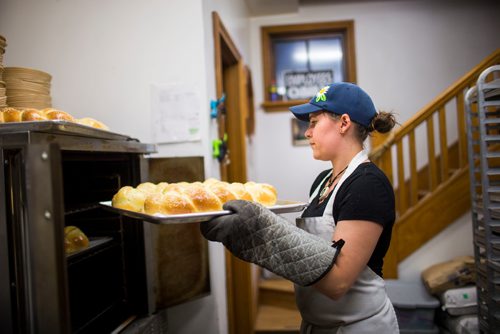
point(274, 7)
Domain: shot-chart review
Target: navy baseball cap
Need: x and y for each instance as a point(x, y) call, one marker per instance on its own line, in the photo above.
point(339, 98)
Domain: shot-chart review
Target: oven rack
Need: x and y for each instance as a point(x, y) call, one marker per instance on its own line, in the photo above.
point(96, 245)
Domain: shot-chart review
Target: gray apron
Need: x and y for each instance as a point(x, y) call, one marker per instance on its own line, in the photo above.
point(365, 308)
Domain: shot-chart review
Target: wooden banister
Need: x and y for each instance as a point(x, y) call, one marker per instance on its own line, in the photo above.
point(436, 175)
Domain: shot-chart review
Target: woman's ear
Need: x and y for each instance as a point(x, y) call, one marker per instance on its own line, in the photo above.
point(345, 123)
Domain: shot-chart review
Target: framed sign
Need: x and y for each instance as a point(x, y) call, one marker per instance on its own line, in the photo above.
point(301, 85)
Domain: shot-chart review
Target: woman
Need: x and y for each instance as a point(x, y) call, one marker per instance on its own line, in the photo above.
point(335, 256)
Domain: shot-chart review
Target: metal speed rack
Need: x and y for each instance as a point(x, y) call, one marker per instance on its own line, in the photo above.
point(483, 135)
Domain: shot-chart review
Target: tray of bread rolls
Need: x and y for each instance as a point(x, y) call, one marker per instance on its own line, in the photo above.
point(54, 121)
point(183, 202)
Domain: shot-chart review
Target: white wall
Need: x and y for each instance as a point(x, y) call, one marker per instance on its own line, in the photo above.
point(407, 52)
point(105, 55)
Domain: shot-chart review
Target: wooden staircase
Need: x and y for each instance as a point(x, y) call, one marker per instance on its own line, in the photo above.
point(431, 183)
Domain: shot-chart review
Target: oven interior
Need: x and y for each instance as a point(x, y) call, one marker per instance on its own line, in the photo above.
point(107, 282)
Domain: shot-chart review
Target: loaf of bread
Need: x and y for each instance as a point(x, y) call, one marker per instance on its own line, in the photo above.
point(11, 115)
point(92, 123)
point(58, 115)
point(168, 203)
point(183, 197)
point(28, 115)
point(74, 239)
point(129, 198)
point(8, 115)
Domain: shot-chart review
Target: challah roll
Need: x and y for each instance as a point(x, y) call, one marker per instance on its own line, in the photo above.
point(221, 190)
point(92, 123)
point(160, 187)
point(147, 188)
point(203, 198)
point(261, 193)
point(74, 239)
point(211, 181)
point(129, 198)
point(32, 115)
point(168, 203)
point(11, 115)
point(240, 191)
point(54, 114)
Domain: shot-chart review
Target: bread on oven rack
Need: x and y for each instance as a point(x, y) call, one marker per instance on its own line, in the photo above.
point(9, 114)
point(74, 239)
point(184, 197)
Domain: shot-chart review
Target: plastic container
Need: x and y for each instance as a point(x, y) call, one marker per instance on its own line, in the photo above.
point(415, 307)
point(433, 330)
point(460, 301)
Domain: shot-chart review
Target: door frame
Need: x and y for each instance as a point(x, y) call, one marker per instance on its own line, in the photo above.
point(231, 79)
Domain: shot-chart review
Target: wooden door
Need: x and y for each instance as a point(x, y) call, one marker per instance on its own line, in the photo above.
point(231, 77)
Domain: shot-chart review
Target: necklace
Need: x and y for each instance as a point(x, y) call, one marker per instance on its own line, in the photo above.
point(324, 192)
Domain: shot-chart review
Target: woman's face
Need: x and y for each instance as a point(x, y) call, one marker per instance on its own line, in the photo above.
point(323, 135)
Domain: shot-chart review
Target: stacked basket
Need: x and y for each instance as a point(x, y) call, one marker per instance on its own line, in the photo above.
point(27, 88)
point(3, 96)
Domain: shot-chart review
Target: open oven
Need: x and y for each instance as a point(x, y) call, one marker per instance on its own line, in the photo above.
point(55, 174)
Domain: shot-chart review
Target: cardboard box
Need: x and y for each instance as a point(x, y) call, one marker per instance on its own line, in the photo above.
point(455, 273)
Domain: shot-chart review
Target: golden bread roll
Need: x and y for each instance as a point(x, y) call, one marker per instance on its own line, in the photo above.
point(147, 187)
point(12, 115)
point(92, 123)
point(221, 190)
point(240, 191)
point(164, 187)
point(211, 181)
point(168, 203)
point(204, 199)
point(54, 114)
point(74, 239)
point(270, 188)
point(28, 115)
point(160, 187)
point(129, 198)
point(261, 194)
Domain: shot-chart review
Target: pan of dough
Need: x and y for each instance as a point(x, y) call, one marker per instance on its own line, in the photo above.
point(281, 206)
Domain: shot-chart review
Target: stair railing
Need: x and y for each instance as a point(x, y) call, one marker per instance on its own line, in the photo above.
point(422, 157)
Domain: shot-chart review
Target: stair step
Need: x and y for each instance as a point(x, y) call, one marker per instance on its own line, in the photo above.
point(278, 293)
point(278, 284)
point(277, 320)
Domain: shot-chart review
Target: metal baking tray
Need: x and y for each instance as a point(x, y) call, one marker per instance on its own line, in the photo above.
point(281, 206)
point(61, 127)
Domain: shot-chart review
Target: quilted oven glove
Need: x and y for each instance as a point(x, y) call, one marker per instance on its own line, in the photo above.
point(255, 234)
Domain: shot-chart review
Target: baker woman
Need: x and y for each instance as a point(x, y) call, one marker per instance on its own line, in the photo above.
point(335, 253)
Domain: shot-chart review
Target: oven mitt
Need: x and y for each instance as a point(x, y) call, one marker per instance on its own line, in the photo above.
point(255, 234)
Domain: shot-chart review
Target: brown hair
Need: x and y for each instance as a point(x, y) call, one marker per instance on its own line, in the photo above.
point(383, 122)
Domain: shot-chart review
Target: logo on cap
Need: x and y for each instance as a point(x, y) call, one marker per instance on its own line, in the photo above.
point(321, 95)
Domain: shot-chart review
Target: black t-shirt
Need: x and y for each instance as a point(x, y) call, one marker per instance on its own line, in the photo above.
point(366, 194)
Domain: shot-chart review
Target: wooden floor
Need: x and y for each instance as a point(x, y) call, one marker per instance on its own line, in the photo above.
point(277, 312)
point(272, 319)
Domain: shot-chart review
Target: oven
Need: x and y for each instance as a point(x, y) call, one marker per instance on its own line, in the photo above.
point(55, 174)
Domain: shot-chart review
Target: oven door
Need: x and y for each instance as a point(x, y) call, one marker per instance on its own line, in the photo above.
point(33, 280)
